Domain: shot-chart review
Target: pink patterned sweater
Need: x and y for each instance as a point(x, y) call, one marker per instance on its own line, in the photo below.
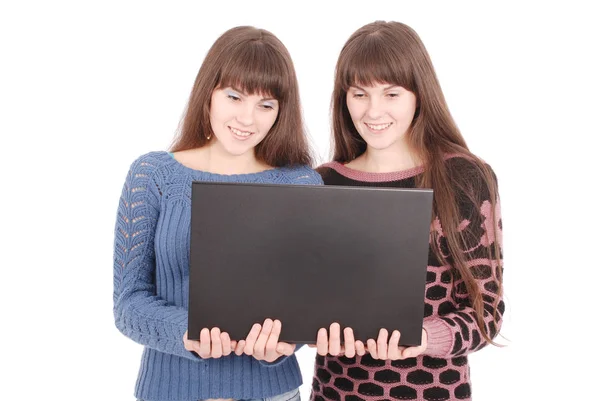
point(442, 371)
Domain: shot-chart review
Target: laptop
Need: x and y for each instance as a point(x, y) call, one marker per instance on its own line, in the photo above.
point(308, 256)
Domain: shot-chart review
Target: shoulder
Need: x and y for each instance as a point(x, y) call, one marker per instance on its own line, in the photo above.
point(149, 167)
point(302, 174)
point(466, 169)
point(326, 170)
point(154, 159)
point(472, 178)
point(150, 162)
point(141, 184)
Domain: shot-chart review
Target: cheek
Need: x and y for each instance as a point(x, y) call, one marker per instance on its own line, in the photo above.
point(355, 110)
point(216, 111)
point(411, 107)
point(409, 113)
point(267, 120)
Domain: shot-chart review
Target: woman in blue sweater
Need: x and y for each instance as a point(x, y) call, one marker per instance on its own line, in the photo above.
point(243, 124)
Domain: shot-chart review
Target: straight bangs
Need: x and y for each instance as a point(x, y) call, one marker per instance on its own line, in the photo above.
point(369, 61)
point(256, 69)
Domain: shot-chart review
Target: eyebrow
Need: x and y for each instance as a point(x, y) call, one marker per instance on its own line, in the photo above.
point(241, 92)
point(386, 88)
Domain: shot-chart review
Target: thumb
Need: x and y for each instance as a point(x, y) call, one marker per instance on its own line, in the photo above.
point(285, 348)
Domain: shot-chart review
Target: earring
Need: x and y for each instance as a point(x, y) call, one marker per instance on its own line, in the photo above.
point(208, 137)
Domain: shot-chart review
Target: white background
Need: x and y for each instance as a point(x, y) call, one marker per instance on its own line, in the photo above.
point(87, 87)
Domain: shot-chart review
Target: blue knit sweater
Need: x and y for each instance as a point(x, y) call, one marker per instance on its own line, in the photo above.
point(151, 256)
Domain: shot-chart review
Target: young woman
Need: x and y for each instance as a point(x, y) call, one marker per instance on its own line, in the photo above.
point(392, 128)
point(243, 124)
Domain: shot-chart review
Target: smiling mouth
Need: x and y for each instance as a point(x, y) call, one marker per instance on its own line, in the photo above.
point(378, 127)
point(239, 133)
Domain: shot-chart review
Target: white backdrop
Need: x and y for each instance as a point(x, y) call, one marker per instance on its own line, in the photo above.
point(86, 87)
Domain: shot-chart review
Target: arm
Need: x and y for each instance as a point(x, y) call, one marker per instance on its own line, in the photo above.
point(139, 313)
point(454, 330)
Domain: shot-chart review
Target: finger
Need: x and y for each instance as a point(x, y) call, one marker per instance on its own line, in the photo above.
point(360, 348)
point(372, 347)
point(407, 352)
point(382, 344)
point(187, 344)
point(413, 352)
point(334, 339)
point(286, 349)
point(393, 349)
point(251, 339)
point(204, 346)
point(261, 342)
point(191, 345)
point(322, 343)
point(226, 344)
point(271, 352)
point(349, 349)
point(216, 350)
point(239, 348)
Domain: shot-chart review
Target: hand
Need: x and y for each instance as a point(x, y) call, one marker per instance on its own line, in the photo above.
point(412, 352)
point(382, 349)
point(212, 344)
point(263, 343)
point(332, 345)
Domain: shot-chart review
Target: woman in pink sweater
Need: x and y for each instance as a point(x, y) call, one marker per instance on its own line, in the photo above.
point(392, 128)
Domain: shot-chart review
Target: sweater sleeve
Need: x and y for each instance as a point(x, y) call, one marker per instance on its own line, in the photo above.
point(139, 313)
point(454, 330)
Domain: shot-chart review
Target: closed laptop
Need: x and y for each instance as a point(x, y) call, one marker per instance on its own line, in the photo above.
point(308, 256)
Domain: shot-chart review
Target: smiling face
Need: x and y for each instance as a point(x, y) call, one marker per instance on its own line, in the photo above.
point(381, 113)
point(240, 121)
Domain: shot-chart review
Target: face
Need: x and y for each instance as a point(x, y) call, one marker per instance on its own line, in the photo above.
point(382, 113)
point(240, 121)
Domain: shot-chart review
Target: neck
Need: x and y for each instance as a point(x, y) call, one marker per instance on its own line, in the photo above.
point(391, 159)
point(220, 162)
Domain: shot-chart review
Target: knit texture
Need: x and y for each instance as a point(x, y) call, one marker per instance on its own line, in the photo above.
point(442, 372)
point(151, 279)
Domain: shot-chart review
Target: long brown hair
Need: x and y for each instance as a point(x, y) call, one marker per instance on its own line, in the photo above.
point(256, 62)
point(392, 52)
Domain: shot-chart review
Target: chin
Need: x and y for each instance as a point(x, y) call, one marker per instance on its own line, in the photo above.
point(238, 150)
point(379, 145)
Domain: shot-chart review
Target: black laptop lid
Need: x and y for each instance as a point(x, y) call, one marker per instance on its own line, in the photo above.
point(308, 256)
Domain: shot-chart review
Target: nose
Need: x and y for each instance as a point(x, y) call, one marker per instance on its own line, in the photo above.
point(375, 111)
point(245, 114)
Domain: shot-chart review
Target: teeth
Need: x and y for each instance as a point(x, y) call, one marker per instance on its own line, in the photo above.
point(240, 133)
point(378, 127)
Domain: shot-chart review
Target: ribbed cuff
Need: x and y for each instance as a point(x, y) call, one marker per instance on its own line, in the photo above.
point(439, 337)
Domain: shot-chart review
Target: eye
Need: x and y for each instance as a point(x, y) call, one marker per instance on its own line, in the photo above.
point(358, 95)
point(267, 106)
point(233, 96)
point(392, 95)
